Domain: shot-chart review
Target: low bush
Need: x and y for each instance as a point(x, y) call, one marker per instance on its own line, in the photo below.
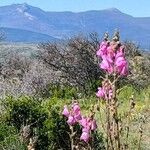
point(45, 122)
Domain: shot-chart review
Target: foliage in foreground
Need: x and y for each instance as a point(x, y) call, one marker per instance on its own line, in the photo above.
point(54, 126)
point(24, 118)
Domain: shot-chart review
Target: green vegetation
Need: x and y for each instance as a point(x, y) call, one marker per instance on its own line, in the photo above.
point(33, 93)
point(47, 123)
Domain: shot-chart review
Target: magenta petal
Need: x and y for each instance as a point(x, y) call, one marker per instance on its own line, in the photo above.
point(120, 61)
point(75, 108)
point(85, 136)
point(93, 125)
point(102, 49)
point(65, 111)
point(104, 64)
point(83, 122)
point(76, 111)
point(100, 93)
point(121, 65)
point(86, 130)
point(107, 64)
point(71, 120)
point(124, 71)
point(78, 117)
point(119, 54)
point(99, 53)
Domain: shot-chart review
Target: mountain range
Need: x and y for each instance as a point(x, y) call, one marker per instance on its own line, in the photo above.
point(25, 23)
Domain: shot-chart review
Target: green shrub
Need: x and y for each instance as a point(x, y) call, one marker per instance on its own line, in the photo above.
point(46, 122)
point(24, 111)
point(9, 138)
point(62, 91)
point(6, 130)
point(12, 142)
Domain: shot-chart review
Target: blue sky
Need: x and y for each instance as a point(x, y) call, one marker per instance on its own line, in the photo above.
point(138, 8)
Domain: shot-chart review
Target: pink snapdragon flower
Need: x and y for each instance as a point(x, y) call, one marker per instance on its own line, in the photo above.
point(113, 60)
point(85, 123)
point(102, 49)
point(105, 92)
point(88, 125)
point(121, 65)
point(66, 111)
point(107, 64)
point(93, 125)
point(74, 115)
point(85, 136)
point(71, 120)
point(100, 93)
point(76, 111)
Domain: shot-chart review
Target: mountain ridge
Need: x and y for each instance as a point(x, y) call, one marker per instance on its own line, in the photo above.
point(66, 24)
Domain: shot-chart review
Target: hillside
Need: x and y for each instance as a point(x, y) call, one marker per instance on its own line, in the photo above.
point(65, 24)
point(19, 35)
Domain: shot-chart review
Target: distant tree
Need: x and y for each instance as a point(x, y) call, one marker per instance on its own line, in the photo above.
point(14, 65)
point(75, 59)
point(139, 63)
point(132, 49)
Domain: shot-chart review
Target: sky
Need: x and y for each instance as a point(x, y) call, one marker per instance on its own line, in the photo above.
point(136, 8)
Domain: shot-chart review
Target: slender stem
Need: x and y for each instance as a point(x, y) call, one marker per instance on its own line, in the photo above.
point(71, 138)
point(107, 120)
point(118, 132)
point(109, 136)
point(115, 116)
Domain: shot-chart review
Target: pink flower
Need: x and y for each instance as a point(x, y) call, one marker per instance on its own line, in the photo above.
point(65, 111)
point(76, 111)
point(71, 120)
point(124, 71)
point(121, 65)
point(121, 49)
point(85, 136)
point(74, 115)
point(112, 60)
point(75, 107)
point(88, 123)
point(93, 125)
point(119, 54)
point(110, 52)
point(85, 122)
point(107, 64)
point(100, 93)
point(105, 92)
point(77, 117)
point(102, 49)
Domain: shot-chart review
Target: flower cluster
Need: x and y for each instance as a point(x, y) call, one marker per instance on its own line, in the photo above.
point(113, 58)
point(88, 124)
point(74, 116)
point(105, 92)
